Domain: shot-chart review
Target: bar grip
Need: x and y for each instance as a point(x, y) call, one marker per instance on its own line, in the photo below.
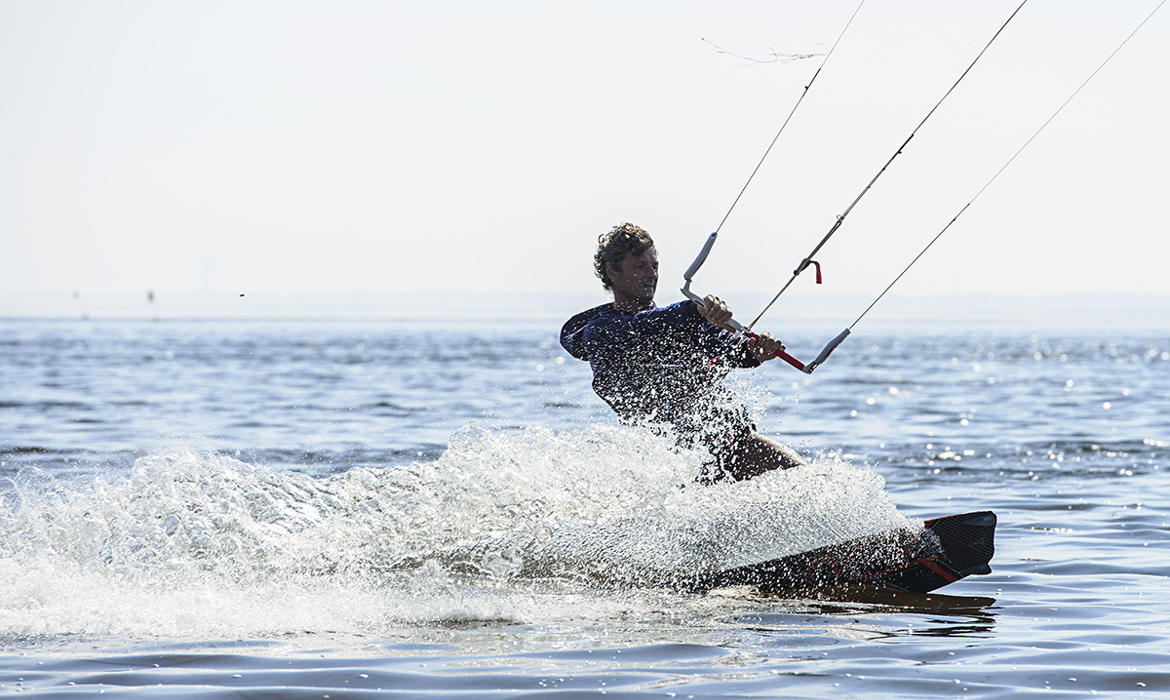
point(783, 355)
point(791, 360)
point(808, 369)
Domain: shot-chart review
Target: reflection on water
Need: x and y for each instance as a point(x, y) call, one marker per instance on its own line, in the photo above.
point(229, 507)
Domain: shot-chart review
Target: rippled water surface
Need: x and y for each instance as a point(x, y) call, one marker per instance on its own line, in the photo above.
point(343, 509)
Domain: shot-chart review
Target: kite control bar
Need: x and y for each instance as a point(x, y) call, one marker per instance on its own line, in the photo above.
point(686, 290)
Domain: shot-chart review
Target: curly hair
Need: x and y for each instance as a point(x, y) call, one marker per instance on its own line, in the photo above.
point(614, 245)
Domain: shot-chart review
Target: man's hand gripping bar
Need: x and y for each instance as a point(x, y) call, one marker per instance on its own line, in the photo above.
point(686, 290)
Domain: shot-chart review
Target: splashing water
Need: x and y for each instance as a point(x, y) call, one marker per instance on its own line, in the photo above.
point(193, 542)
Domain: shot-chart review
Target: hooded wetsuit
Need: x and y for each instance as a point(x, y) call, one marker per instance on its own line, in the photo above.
point(664, 365)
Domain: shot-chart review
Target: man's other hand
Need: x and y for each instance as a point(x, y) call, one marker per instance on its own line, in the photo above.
point(764, 347)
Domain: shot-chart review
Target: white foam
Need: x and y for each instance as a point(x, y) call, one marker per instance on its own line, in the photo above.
point(192, 543)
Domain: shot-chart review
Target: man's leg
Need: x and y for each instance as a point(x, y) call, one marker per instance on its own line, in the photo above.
point(760, 453)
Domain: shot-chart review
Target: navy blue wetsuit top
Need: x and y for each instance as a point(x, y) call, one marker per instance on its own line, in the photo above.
point(656, 365)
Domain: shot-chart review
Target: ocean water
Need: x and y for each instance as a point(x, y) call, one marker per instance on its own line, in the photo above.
point(352, 509)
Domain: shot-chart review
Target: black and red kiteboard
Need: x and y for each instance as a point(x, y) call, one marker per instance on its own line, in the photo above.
point(918, 560)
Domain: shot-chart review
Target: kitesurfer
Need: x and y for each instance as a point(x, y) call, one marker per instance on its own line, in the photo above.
point(665, 366)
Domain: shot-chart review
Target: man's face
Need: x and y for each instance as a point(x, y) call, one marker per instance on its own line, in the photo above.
point(637, 277)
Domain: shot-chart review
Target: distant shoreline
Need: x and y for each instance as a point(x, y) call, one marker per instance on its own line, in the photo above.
point(1081, 313)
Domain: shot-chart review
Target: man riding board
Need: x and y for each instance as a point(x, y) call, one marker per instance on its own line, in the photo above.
point(667, 366)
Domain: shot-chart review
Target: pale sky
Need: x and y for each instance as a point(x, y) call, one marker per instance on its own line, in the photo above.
point(276, 147)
